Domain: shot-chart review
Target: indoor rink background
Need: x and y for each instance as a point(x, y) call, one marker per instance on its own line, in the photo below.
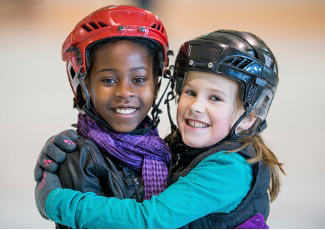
point(36, 100)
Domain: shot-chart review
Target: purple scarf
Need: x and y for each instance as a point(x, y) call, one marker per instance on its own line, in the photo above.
point(147, 152)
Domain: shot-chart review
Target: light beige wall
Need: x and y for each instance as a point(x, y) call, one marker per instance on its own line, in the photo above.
point(36, 100)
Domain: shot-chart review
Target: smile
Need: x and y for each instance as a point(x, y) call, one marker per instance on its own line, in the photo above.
point(125, 110)
point(196, 124)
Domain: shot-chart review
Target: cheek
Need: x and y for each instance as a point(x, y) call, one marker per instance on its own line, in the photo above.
point(100, 96)
point(180, 112)
point(221, 120)
point(147, 96)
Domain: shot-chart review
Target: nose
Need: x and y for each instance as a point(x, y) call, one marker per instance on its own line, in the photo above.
point(124, 90)
point(197, 106)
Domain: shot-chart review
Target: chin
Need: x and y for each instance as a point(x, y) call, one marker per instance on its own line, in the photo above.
point(194, 143)
point(123, 129)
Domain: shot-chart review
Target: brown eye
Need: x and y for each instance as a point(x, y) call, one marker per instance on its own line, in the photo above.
point(139, 80)
point(109, 81)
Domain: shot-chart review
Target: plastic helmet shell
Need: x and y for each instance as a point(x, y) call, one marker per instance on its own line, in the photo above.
point(110, 21)
point(241, 56)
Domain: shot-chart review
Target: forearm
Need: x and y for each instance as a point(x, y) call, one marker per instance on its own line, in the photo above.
point(204, 190)
point(86, 210)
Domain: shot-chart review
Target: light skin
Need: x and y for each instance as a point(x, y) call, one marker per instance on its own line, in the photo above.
point(121, 84)
point(208, 108)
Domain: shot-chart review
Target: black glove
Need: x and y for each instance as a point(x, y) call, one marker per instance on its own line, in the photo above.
point(54, 152)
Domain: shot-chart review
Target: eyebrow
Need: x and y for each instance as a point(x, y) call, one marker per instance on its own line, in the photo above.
point(212, 89)
point(114, 70)
point(138, 68)
point(106, 70)
point(219, 91)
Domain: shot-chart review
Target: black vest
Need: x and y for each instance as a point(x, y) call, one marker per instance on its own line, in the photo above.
point(256, 201)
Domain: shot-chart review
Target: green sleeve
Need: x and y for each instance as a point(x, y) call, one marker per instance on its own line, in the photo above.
point(216, 184)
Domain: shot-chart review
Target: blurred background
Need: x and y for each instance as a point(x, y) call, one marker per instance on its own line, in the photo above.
point(36, 100)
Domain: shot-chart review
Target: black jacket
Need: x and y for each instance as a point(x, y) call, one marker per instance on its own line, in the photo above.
point(89, 170)
point(256, 201)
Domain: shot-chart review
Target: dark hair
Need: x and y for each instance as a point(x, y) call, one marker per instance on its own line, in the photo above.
point(153, 48)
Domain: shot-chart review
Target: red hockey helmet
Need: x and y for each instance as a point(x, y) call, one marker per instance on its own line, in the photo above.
point(110, 21)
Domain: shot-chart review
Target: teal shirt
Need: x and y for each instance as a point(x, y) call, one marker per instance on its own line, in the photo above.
point(217, 184)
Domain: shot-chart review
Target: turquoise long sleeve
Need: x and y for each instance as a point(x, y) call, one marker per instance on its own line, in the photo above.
point(216, 184)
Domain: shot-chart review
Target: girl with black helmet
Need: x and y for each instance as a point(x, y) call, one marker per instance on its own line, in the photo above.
point(221, 169)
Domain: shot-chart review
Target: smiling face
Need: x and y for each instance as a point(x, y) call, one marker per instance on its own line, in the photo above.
point(121, 84)
point(208, 108)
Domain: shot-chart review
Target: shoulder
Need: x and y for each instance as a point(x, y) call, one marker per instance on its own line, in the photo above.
point(225, 158)
point(224, 166)
point(86, 155)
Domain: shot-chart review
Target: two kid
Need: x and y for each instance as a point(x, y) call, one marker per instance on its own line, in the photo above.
point(221, 168)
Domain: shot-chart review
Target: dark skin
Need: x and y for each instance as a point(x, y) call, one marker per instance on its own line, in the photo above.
point(121, 84)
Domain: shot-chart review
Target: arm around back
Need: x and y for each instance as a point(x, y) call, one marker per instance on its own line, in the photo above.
point(217, 184)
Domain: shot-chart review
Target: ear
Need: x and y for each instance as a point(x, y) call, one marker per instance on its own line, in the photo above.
point(247, 122)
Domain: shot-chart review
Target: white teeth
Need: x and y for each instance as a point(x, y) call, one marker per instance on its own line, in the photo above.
point(125, 110)
point(196, 124)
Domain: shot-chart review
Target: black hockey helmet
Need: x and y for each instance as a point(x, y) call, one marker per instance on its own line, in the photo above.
point(241, 56)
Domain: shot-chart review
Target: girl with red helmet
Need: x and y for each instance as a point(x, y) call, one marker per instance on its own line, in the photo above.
point(222, 169)
point(114, 58)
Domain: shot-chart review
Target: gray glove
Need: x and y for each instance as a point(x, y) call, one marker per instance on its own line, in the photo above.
point(54, 152)
point(43, 188)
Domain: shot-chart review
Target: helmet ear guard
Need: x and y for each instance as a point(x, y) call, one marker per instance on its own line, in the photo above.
point(256, 112)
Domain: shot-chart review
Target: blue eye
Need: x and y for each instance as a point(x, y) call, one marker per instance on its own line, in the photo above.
point(190, 93)
point(215, 98)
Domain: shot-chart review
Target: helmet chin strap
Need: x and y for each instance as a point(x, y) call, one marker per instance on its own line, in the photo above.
point(170, 96)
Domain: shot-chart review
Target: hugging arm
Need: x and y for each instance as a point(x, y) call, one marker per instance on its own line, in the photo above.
point(204, 190)
point(169, 209)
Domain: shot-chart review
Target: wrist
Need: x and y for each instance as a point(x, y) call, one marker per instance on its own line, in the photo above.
point(50, 203)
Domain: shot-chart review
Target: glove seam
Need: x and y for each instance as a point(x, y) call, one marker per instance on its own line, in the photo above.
point(51, 201)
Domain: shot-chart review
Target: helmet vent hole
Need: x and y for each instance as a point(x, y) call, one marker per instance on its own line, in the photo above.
point(102, 24)
point(153, 26)
point(265, 102)
point(237, 61)
point(158, 27)
point(72, 73)
point(86, 28)
point(244, 63)
point(229, 61)
point(93, 24)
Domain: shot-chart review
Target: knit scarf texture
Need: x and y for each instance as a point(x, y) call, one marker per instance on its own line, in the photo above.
point(147, 153)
